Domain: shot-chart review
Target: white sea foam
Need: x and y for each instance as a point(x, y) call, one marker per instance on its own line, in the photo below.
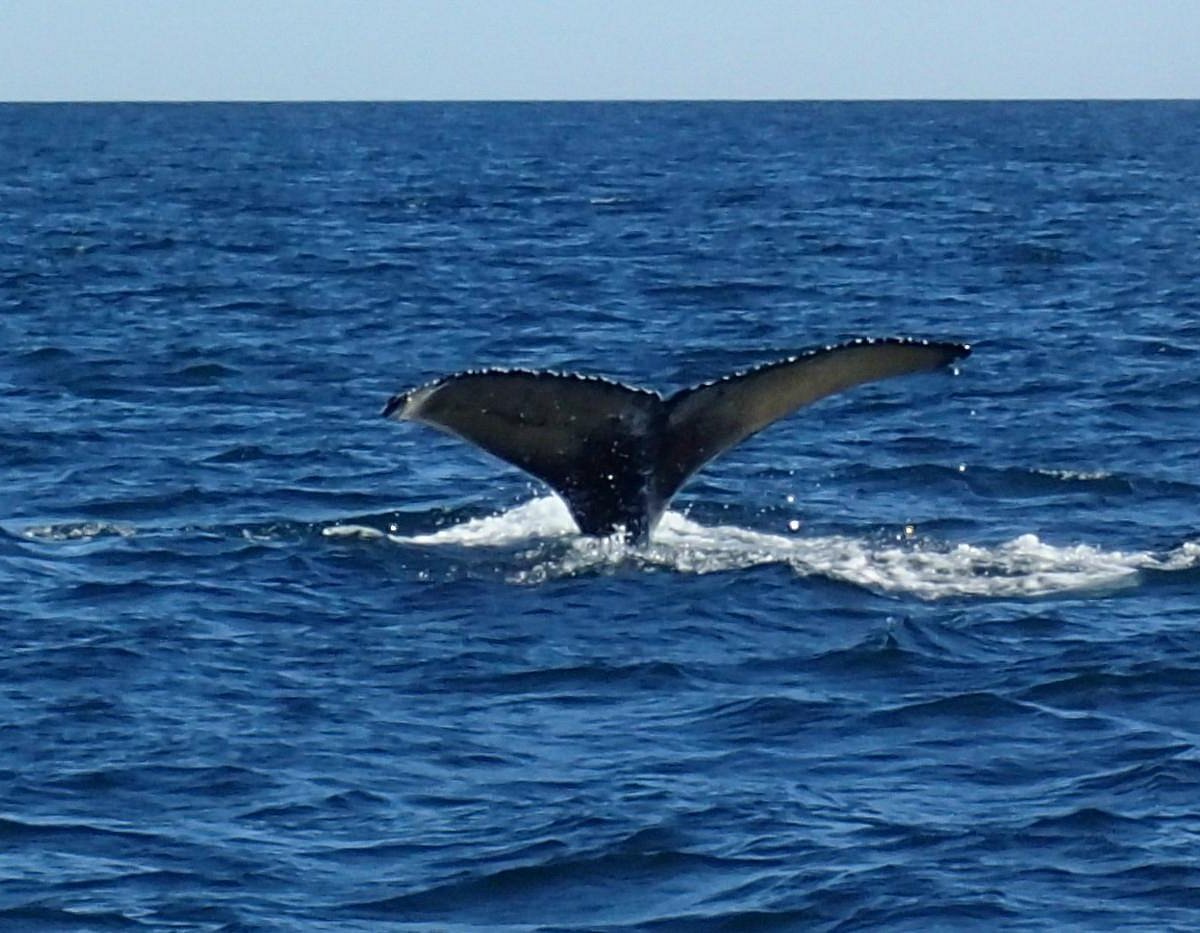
point(544, 517)
point(77, 531)
point(1024, 566)
point(348, 531)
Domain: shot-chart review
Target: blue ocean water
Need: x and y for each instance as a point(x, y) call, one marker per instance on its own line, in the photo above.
point(923, 656)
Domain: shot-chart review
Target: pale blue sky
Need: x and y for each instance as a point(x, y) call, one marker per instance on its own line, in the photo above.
point(573, 49)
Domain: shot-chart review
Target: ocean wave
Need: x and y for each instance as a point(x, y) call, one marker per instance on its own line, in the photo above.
point(576, 887)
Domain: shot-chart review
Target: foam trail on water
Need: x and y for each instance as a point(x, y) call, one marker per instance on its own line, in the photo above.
point(1024, 566)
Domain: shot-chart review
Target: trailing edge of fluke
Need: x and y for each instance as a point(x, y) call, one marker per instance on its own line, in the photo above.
point(616, 453)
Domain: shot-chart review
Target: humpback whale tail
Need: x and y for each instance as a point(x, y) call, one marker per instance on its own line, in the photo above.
point(617, 454)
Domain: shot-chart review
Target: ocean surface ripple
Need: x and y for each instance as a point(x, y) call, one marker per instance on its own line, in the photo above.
point(924, 656)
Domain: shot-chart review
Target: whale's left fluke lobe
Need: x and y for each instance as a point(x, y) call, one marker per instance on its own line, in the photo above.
point(617, 454)
point(583, 436)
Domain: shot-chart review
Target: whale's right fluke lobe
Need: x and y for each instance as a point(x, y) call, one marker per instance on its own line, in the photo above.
point(617, 454)
point(705, 421)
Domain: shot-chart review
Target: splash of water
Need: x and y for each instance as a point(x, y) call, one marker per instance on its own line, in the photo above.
point(1025, 566)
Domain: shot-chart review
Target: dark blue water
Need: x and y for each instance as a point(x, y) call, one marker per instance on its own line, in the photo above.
point(924, 656)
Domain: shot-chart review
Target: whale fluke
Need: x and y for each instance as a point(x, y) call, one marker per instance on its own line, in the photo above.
point(617, 454)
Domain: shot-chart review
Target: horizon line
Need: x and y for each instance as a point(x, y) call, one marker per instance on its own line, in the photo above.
point(594, 100)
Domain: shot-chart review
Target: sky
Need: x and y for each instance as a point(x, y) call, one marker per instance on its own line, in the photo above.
point(597, 49)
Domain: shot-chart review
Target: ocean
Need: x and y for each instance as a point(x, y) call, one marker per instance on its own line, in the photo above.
point(923, 656)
